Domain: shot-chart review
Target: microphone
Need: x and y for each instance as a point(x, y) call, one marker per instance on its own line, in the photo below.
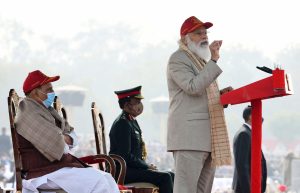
point(265, 69)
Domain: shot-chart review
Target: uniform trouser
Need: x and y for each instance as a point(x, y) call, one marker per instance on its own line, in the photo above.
point(163, 180)
point(194, 173)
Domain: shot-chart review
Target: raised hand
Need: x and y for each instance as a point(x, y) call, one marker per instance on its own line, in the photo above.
point(214, 49)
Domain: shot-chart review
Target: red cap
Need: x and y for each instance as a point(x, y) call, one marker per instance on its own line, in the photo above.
point(36, 79)
point(191, 24)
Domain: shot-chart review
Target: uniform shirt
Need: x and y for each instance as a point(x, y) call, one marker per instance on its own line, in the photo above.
point(126, 140)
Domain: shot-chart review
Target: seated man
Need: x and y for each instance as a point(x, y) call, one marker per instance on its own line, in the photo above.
point(126, 141)
point(45, 138)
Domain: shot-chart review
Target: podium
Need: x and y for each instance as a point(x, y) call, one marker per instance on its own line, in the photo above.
point(277, 85)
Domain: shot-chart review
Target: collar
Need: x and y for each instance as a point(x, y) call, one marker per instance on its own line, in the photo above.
point(248, 126)
point(129, 116)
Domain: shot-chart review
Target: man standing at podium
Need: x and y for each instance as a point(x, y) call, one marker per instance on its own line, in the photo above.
point(197, 133)
point(242, 157)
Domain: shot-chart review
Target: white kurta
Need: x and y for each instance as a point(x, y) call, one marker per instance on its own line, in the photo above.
point(73, 180)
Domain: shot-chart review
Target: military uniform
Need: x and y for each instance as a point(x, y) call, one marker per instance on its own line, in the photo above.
point(126, 140)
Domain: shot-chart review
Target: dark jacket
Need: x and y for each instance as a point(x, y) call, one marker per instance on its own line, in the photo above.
point(126, 140)
point(242, 159)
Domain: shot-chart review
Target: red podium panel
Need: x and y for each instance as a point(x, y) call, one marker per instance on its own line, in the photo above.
point(277, 85)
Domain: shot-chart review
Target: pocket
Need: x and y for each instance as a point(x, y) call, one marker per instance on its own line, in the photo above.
point(197, 116)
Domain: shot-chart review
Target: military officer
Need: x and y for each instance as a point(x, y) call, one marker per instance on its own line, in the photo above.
point(126, 140)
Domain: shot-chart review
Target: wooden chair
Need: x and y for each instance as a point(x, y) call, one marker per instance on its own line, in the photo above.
point(57, 105)
point(13, 104)
point(99, 131)
point(105, 162)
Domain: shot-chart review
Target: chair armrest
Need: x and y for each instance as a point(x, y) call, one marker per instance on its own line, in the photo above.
point(100, 159)
point(121, 177)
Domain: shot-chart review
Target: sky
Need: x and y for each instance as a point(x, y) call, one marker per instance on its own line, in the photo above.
point(266, 25)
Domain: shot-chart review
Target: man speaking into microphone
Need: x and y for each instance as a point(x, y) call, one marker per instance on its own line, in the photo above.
point(197, 133)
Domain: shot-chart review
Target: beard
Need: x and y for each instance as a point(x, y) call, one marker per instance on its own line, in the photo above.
point(201, 48)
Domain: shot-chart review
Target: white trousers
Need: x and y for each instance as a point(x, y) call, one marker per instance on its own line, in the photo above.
point(193, 172)
point(73, 180)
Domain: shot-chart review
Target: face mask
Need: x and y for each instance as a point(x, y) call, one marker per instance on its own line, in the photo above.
point(136, 109)
point(50, 99)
